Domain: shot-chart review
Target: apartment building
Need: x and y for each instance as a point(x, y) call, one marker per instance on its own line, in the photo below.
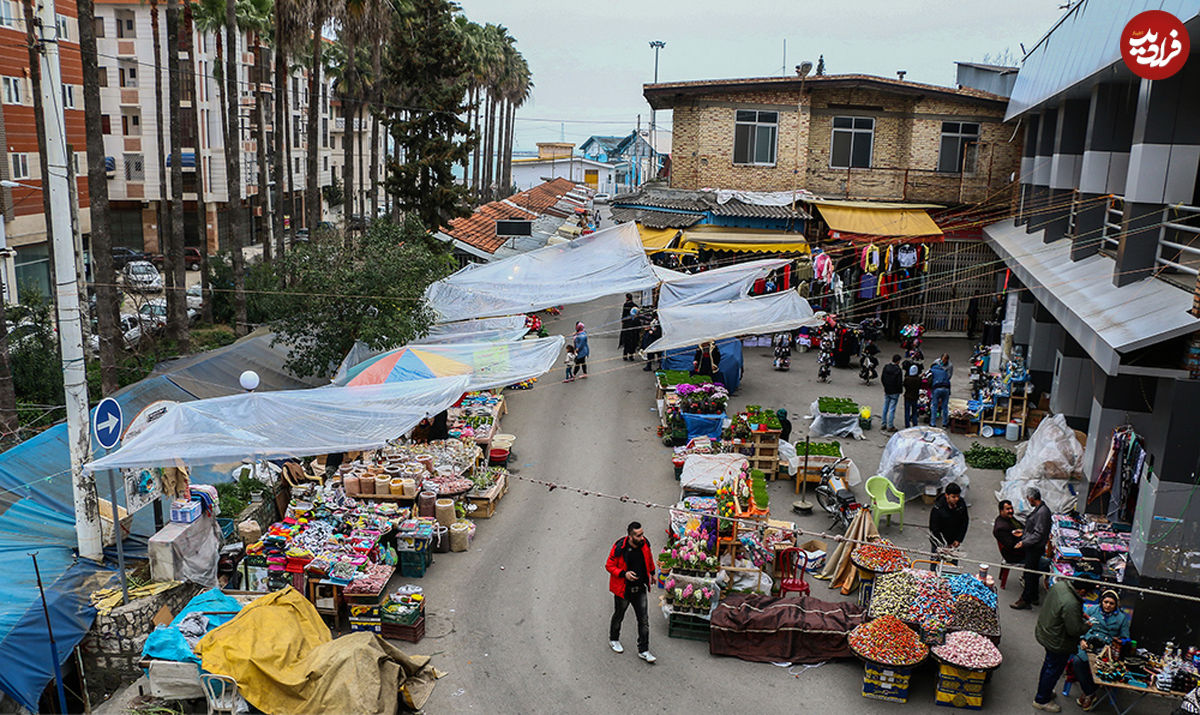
point(25, 251)
point(334, 133)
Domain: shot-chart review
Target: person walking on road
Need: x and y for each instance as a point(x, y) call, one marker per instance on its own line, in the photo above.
point(892, 379)
point(570, 363)
point(1059, 627)
point(912, 396)
point(630, 567)
point(630, 327)
point(940, 374)
point(581, 349)
point(949, 519)
point(1032, 545)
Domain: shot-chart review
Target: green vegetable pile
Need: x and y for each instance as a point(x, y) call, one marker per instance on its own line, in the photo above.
point(837, 406)
point(982, 457)
point(671, 378)
point(822, 449)
point(758, 488)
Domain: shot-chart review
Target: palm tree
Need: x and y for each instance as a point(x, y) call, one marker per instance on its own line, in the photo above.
point(320, 15)
point(519, 90)
point(177, 323)
point(233, 169)
point(198, 81)
point(101, 235)
point(255, 16)
point(289, 16)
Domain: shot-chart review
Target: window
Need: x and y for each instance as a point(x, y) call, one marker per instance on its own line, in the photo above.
point(68, 94)
point(852, 142)
point(325, 133)
point(135, 170)
point(326, 160)
point(131, 124)
point(296, 131)
point(105, 124)
point(20, 166)
point(99, 25)
point(754, 137)
point(295, 92)
point(297, 165)
point(125, 26)
point(960, 142)
point(128, 75)
point(103, 72)
point(63, 24)
point(14, 90)
point(10, 14)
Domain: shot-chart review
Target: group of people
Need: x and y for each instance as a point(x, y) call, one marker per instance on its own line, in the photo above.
point(903, 377)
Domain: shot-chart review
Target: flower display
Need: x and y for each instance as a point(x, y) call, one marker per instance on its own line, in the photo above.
point(705, 399)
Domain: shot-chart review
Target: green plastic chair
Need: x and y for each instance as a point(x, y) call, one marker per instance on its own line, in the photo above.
point(883, 500)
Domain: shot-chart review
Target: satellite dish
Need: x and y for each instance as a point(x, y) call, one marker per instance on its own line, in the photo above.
point(804, 68)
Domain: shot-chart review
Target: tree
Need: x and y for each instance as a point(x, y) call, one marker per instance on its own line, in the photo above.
point(289, 16)
point(369, 288)
point(176, 283)
point(103, 274)
point(312, 209)
point(233, 170)
point(255, 17)
point(425, 61)
point(197, 82)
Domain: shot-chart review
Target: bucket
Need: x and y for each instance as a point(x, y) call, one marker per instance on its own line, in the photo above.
point(1013, 432)
point(459, 537)
point(444, 510)
point(350, 484)
point(397, 486)
point(366, 484)
point(498, 457)
point(408, 488)
point(441, 539)
point(504, 441)
point(426, 504)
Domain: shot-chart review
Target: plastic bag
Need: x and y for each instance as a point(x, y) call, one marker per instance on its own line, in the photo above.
point(1059, 494)
point(919, 457)
point(1053, 452)
point(834, 425)
point(787, 454)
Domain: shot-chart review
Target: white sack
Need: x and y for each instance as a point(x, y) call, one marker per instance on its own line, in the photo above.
point(686, 325)
point(705, 472)
point(919, 457)
point(1052, 452)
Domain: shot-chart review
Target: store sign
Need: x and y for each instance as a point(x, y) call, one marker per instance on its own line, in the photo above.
point(1155, 44)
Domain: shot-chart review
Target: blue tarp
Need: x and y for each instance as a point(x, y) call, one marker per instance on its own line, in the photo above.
point(703, 425)
point(731, 362)
point(167, 643)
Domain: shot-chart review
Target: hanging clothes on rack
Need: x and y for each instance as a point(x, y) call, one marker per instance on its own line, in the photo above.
point(1120, 478)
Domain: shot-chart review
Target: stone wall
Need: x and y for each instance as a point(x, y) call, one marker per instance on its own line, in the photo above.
point(112, 648)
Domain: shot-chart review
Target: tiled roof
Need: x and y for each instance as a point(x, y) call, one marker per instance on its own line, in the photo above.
point(702, 201)
point(479, 229)
point(660, 95)
point(656, 219)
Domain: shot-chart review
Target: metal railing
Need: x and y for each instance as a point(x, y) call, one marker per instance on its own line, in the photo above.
point(1111, 233)
point(1176, 254)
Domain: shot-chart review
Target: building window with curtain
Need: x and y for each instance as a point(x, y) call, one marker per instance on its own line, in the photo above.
point(959, 147)
point(755, 135)
point(852, 143)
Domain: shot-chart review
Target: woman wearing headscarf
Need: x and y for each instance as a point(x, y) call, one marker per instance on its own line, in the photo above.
point(631, 326)
point(707, 360)
point(581, 349)
point(1108, 624)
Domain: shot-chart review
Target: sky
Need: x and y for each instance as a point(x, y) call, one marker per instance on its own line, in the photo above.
point(590, 59)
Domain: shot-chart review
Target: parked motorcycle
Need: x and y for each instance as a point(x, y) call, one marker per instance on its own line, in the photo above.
point(867, 365)
point(835, 496)
point(825, 357)
point(783, 352)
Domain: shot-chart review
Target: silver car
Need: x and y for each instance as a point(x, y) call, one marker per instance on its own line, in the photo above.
point(142, 277)
point(131, 330)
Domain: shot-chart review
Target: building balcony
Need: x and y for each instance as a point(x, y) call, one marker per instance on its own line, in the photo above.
point(130, 96)
point(126, 48)
point(897, 184)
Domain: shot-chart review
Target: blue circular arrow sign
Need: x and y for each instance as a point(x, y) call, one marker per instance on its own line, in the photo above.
point(108, 423)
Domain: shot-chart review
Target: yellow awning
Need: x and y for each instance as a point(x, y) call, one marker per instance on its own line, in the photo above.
point(655, 240)
point(719, 238)
point(867, 219)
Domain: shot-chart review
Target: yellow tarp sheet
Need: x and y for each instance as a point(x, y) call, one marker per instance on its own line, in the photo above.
point(285, 661)
point(719, 238)
point(863, 218)
point(656, 239)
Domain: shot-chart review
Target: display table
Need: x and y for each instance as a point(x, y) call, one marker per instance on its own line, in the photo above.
point(485, 501)
point(1112, 688)
point(483, 437)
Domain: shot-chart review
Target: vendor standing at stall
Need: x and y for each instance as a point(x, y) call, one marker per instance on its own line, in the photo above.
point(707, 360)
point(1108, 625)
point(630, 566)
point(1007, 532)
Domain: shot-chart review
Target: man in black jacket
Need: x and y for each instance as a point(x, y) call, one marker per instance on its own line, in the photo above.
point(1033, 546)
point(1007, 531)
point(892, 379)
point(949, 519)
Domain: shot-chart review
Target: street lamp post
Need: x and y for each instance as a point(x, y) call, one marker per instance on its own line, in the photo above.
point(656, 45)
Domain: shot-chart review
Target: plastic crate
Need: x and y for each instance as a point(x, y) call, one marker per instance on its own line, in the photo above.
point(884, 682)
point(412, 634)
point(688, 627)
point(959, 688)
point(413, 564)
point(366, 625)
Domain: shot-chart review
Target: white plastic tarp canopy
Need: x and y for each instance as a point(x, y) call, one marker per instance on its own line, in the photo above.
point(486, 364)
point(608, 262)
point(706, 472)
point(728, 283)
point(479, 336)
point(691, 324)
point(507, 322)
point(284, 424)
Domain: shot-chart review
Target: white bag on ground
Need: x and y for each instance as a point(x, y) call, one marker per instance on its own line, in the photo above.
point(918, 457)
point(1053, 452)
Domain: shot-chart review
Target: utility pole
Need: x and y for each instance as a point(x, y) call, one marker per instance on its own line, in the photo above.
point(70, 334)
point(657, 45)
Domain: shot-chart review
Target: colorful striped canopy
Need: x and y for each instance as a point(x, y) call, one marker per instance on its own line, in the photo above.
point(404, 364)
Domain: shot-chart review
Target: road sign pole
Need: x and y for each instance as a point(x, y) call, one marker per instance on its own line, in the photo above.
point(116, 513)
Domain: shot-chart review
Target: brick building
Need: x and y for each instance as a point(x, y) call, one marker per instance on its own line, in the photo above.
point(845, 136)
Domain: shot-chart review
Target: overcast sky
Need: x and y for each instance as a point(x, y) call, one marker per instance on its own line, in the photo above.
point(589, 59)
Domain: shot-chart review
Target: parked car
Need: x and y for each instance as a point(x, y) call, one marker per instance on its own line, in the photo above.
point(195, 298)
point(131, 330)
point(601, 198)
point(191, 259)
point(142, 277)
point(155, 312)
point(123, 256)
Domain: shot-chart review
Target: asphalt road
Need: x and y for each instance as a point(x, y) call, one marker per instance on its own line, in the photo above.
point(520, 621)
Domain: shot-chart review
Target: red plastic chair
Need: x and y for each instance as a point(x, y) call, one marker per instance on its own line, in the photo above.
point(793, 563)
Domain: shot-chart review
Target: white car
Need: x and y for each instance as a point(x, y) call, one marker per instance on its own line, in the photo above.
point(131, 330)
point(155, 313)
point(142, 277)
point(601, 198)
point(195, 299)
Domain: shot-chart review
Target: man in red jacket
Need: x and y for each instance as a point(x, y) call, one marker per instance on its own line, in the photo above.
point(630, 567)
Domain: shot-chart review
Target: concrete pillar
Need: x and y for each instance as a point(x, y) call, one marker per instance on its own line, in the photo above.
point(1046, 340)
point(1065, 166)
point(1105, 162)
point(1040, 190)
point(1163, 163)
point(1028, 157)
